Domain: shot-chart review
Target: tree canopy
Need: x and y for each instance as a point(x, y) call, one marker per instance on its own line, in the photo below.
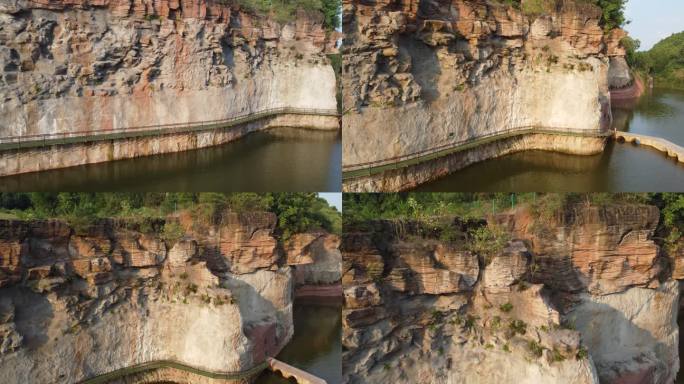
point(613, 11)
point(665, 61)
point(284, 10)
point(360, 208)
point(297, 212)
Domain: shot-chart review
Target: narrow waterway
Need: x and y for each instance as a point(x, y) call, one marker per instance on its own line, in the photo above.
point(621, 168)
point(275, 161)
point(316, 346)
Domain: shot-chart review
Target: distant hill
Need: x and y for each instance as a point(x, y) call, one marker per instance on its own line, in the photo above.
point(665, 61)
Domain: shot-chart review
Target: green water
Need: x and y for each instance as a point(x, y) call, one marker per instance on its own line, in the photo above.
point(303, 160)
point(658, 113)
point(316, 346)
point(621, 168)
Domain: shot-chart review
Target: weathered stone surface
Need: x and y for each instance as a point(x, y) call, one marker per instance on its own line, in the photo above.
point(432, 269)
point(619, 74)
point(602, 249)
point(181, 253)
point(246, 245)
point(577, 298)
point(220, 299)
point(78, 66)
point(507, 268)
point(298, 248)
point(427, 75)
point(633, 335)
point(326, 267)
point(360, 296)
point(139, 251)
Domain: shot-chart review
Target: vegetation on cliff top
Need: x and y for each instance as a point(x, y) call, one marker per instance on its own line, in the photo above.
point(665, 61)
point(296, 212)
point(284, 10)
point(613, 11)
point(360, 208)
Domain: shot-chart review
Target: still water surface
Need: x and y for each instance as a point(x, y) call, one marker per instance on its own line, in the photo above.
point(297, 160)
point(316, 346)
point(621, 168)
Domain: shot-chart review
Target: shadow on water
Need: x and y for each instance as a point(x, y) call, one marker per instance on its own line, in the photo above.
point(316, 345)
point(302, 160)
point(620, 168)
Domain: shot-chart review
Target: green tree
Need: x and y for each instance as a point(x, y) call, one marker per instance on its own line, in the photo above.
point(613, 13)
point(665, 61)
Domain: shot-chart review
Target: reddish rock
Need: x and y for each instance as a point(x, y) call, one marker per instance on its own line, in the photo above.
point(38, 273)
point(299, 248)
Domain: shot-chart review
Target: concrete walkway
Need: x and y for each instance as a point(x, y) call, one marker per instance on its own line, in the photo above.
point(288, 371)
point(662, 145)
point(370, 168)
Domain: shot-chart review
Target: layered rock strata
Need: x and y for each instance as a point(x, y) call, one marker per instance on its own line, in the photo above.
point(76, 303)
point(317, 264)
point(584, 297)
point(72, 67)
point(422, 75)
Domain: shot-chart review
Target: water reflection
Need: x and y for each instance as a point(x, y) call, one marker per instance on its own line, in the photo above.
point(621, 168)
point(658, 113)
point(279, 160)
point(316, 345)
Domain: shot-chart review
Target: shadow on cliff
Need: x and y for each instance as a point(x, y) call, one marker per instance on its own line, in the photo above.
point(600, 323)
point(33, 314)
point(260, 319)
point(424, 66)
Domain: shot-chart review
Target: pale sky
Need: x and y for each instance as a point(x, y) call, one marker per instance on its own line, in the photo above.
point(333, 198)
point(654, 20)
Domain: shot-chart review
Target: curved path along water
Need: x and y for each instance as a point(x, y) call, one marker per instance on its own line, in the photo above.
point(376, 167)
point(312, 356)
point(61, 138)
point(657, 143)
point(316, 346)
point(302, 160)
point(175, 365)
point(622, 167)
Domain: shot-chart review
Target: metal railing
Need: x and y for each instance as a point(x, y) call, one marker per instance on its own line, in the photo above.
point(374, 167)
point(159, 364)
point(40, 140)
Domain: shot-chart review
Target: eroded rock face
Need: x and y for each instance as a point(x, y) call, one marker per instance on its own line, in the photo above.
point(601, 250)
point(326, 262)
point(619, 75)
point(633, 335)
point(74, 66)
point(421, 75)
point(577, 298)
point(78, 303)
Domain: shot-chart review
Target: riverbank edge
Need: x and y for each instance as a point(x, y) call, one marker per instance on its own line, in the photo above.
point(18, 161)
point(410, 177)
point(313, 292)
point(633, 92)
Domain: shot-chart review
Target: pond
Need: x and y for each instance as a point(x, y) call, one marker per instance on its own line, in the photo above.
point(277, 161)
point(620, 168)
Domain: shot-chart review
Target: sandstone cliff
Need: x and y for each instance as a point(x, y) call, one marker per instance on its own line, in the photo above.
point(83, 65)
point(421, 75)
point(79, 302)
point(585, 297)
